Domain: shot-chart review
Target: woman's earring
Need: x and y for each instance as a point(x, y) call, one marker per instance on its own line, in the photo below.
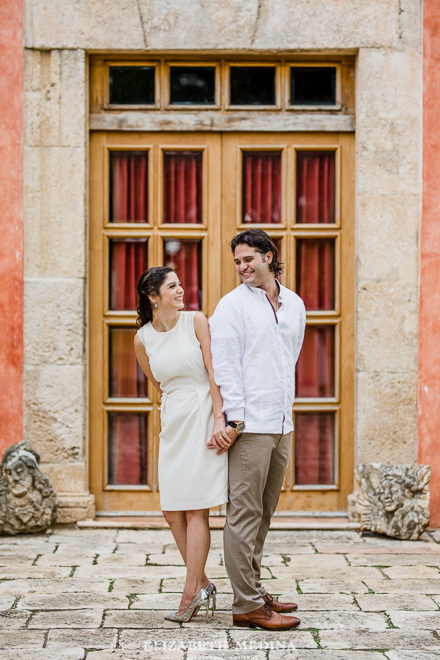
point(155, 305)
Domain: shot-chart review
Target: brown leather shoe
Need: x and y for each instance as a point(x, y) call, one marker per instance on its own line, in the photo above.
point(264, 617)
point(276, 606)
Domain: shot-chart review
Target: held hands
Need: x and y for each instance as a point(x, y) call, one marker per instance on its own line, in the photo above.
point(222, 437)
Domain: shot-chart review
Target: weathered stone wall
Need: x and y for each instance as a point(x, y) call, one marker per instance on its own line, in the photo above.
point(386, 34)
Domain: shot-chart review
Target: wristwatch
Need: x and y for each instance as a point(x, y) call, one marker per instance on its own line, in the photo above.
point(238, 426)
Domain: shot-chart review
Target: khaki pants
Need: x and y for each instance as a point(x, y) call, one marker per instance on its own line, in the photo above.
point(257, 465)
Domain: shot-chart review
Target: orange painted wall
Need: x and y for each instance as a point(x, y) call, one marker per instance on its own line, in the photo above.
point(11, 222)
point(429, 318)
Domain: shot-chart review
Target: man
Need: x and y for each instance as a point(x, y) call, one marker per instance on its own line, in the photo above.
point(257, 332)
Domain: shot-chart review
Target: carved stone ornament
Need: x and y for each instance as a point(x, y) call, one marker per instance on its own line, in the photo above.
point(27, 499)
point(393, 499)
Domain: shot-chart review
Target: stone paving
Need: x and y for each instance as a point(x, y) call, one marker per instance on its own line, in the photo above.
point(101, 594)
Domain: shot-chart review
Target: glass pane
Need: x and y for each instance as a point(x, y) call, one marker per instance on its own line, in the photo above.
point(128, 260)
point(314, 85)
point(261, 187)
point(192, 85)
point(315, 186)
point(129, 186)
point(185, 256)
point(315, 370)
point(125, 375)
point(315, 272)
point(127, 448)
point(314, 448)
point(132, 85)
point(252, 85)
point(182, 186)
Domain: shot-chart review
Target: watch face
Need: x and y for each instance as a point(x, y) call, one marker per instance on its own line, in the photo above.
point(240, 427)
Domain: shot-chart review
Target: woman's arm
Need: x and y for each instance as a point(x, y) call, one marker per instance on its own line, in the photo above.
point(201, 328)
point(144, 362)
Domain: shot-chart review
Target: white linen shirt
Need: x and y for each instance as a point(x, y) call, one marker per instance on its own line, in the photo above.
point(254, 353)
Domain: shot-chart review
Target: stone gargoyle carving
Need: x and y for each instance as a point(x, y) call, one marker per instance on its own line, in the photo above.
point(393, 499)
point(27, 499)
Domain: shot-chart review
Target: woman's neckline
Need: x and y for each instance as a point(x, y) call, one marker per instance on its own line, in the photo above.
point(164, 332)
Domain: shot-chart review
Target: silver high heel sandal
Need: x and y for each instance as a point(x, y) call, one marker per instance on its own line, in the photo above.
point(199, 601)
point(211, 590)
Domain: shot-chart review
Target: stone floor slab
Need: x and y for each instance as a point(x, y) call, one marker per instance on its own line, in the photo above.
point(332, 586)
point(363, 548)
point(144, 572)
point(76, 653)
point(110, 654)
point(42, 586)
point(314, 561)
point(412, 655)
point(152, 639)
point(136, 619)
point(318, 602)
point(230, 654)
point(75, 601)
point(404, 586)
point(301, 639)
point(67, 619)
point(415, 620)
point(412, 572)
point(171, 559)
point(144, 536)
point(87, 638)
point(343, 620)
point(14, 620)
point(125, 587)
point(391, 559)
point(32, 572)
point(347, 573)
point(65, 559)
point(387, 639)
point(24, 639)
point(325, 654)
point(122, 559)
point(385, 602)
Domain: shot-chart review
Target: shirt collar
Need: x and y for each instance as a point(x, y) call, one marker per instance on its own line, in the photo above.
point(262, 293)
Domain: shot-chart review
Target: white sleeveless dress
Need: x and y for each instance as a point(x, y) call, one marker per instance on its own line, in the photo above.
point(191, 476)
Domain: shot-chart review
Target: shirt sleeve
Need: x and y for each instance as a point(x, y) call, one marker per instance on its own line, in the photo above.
point(302, 328)
point(227, 347)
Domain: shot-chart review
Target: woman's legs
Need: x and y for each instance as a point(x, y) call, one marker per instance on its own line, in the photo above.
point(190, 530)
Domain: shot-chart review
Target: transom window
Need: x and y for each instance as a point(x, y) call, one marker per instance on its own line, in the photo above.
point(223, 84)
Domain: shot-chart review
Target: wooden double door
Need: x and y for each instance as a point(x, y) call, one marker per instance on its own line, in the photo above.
point(177, 199)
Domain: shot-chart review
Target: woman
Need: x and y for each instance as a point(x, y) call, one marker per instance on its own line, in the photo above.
point(173, 349)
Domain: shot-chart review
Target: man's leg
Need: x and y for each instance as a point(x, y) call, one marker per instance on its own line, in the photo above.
point(249, 460)
point(277, 470)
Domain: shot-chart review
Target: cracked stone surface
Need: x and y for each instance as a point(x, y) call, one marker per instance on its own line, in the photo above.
point(79, 594)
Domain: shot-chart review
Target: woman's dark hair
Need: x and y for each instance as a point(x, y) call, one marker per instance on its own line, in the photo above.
point(258, 239)
point(149, 284)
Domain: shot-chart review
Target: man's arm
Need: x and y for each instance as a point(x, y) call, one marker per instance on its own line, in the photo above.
point(302, 328)
point(227, 347)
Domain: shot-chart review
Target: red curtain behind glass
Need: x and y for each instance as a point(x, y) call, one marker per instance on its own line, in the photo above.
point(316, 365)
point(128, 448)
point(261, 187)
point(315, 187)
point(182, 194)
point(314, 448)
point(315, 272)
point(185, 256)
point(129, 186)
point(128, 260)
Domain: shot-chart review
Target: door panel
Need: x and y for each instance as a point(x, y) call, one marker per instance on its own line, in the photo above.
point(155, 199)
point(299, 188)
